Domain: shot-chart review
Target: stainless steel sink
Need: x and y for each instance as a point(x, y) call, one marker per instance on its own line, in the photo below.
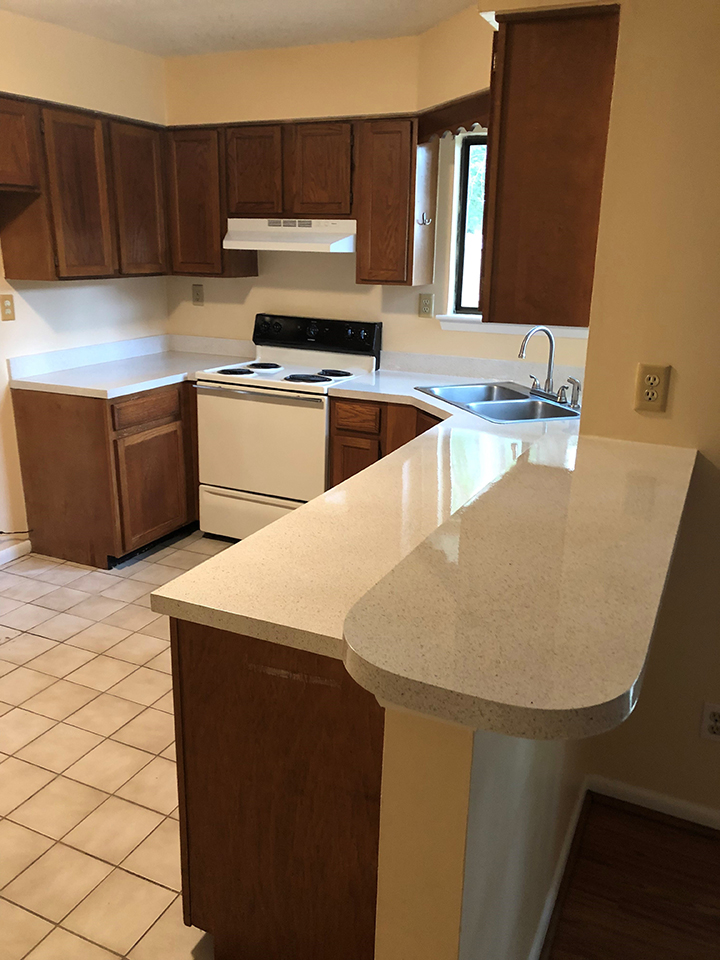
point(501, 402)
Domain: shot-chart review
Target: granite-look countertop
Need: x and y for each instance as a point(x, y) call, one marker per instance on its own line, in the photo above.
point(505, 577)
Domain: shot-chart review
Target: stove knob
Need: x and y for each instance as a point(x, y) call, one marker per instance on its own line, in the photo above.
point(364, 334)
point(313, 330)
point(277, 327)
point(349, 332)
point(265, 326)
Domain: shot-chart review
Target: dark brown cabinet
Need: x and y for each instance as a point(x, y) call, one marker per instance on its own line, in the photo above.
point(104, 477)
point(318, 169)
point(140, 197)
point(79, 194)
point(551, 90)
point(396, 196)
point(19, 145)
point(255, 170)
point(196, 169)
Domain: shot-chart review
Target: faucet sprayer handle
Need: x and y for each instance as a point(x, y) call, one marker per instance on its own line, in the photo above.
point(575, 396)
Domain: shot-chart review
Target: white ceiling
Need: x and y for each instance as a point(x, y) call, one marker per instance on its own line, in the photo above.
point(175, 27)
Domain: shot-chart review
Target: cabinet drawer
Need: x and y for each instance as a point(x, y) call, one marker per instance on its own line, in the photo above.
point(360, 417)
point(156, 405)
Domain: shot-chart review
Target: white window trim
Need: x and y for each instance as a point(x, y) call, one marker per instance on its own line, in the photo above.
point(446, 252)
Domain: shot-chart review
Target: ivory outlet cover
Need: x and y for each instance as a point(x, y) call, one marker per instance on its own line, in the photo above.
point(651, 387)
point(7, 306)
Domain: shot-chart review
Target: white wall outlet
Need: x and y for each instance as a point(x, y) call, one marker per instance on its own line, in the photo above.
point(7, 306)
point(710, 729)
point(651, 387)
point(426, 305)
point(198, 294)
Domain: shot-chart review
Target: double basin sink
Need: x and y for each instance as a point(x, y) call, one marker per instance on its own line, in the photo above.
point(501, 402)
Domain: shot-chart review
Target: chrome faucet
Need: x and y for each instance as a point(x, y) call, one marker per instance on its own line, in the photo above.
point(547, 389)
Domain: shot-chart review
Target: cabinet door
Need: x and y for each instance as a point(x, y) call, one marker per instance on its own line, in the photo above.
point(426, 421)
point(551, 90)
point(384, 184)
point(138, 179)
point(151, 477)
point(350, 455)
point(19, 160)
point(318, 169)
point(255, 170)
point(77, 173)
point(195, 202)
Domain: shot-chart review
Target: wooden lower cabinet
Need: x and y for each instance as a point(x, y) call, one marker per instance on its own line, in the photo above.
point(363, 431)
point(104, 477)
point(279, 769)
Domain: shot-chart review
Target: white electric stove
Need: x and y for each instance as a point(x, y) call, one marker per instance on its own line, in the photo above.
point(263, 423)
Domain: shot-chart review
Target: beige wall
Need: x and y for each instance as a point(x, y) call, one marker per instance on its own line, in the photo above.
point(656, 300)
point(52, 63)
point(455, 58)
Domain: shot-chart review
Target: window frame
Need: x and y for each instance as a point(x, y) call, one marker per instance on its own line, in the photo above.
point(460, 226)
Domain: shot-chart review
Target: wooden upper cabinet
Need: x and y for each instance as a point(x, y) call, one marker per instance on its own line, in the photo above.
point(255, 170)
point(551, 90)
point(79, 194)
point(19, 145)
point(318, 169)
point(194, 185)
point(139, 194)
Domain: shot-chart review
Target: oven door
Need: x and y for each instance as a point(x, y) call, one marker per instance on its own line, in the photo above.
point(267, 442)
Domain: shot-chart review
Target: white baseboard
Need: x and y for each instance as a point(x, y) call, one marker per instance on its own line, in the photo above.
point(660, 802)
point(12, 549)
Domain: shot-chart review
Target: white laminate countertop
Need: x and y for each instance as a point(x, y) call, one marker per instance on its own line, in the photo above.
point(118, 378)
point(501, 577)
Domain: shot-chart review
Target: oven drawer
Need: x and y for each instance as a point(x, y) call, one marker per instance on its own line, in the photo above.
point(228, 513)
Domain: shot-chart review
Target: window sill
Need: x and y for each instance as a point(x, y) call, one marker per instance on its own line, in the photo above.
point(466, 322)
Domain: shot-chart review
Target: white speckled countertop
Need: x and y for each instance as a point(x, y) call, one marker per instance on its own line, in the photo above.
point(493, 576)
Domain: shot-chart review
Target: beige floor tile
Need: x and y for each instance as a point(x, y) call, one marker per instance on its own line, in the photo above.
point(20, 931)
point(60, 700)
point(184, 559)
point(60, 747)
point(158, 628)
point(152, 730)
point(19, 727)
point(61, 660)
point(162, 662)
point(155, 786)
point(99, 637)
point(114, 830)
point(18, 782)
point(166, 704)
point(27, 616)
point(105, 714)
point(7, 579)
point(62, 598)
point(22, 684)
point(119, 911)
point(7, 633)
point(108, 766)
point(63, 626)
point(144, 601)
point(25, 647)
point(139, 647)
point(126, 590)
point(57, 882)
point(207, 546)
point(157, 574)
point(176, 813)
point(58, 807)
point(25, 589)
point(20, 847)
point(158, 857)
point(62, 575)
point(170, 753)
point(97, 608)
point(101, 673)
point(170, 939)
point(94, 582)
point(5, 708)
point(6, 667)
point(143, 686)
point(32, 566)
point(159, 554)
point(132, 617)
point(127, 569)
point(62, 945)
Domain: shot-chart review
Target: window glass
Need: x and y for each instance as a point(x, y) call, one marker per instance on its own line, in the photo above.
point(470, 224)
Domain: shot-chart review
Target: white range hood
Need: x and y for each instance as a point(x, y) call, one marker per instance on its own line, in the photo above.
point(320, 236)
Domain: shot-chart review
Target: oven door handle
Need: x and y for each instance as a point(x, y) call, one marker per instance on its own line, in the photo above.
point(259, 393)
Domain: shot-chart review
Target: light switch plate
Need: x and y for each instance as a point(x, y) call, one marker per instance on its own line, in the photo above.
point(651, 387)
point(7, 306)
point(426, 305)
point(198, 294)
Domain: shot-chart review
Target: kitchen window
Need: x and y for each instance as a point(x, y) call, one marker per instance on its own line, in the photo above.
point(469, 229)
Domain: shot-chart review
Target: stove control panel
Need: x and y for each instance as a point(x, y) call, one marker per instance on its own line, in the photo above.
point(311, 333)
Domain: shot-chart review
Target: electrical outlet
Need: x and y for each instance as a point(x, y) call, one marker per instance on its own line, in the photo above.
point(426, 305)
point(198, 294)
point(710, 729)
point(7, 306)
point(651, 387)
